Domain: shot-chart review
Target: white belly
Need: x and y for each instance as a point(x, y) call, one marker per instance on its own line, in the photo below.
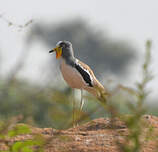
point(72, 76)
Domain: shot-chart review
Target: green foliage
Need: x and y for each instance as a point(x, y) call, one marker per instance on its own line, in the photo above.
point(11, 129)
point(19, 130)
point(134, 122)
point(26, 146)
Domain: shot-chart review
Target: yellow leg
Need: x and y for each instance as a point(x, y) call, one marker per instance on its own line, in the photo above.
point(74, 108)
point(81, 102)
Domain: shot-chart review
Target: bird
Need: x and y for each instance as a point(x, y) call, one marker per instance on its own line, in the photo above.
point(77, 74)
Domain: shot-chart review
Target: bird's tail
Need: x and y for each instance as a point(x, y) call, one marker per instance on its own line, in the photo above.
point(101, 93)
point(98, 91)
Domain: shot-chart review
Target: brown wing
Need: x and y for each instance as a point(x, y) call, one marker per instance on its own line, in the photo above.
point(97, 90)
point(96, 83)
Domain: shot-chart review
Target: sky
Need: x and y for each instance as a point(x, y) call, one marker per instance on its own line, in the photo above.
point(135, 21)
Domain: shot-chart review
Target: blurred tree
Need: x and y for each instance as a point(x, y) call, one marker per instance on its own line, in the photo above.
point(100, 52)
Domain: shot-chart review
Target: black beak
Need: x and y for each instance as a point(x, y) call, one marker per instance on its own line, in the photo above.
point(51, 51)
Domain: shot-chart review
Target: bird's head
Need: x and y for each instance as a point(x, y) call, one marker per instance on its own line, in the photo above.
point(63, 49)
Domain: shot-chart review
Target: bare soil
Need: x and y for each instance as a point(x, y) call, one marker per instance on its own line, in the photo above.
point(95, 136)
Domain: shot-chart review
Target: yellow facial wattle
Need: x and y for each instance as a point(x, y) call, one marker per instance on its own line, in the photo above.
point(58, 51)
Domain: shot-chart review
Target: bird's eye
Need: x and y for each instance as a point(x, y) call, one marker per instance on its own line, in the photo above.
point(63, 45)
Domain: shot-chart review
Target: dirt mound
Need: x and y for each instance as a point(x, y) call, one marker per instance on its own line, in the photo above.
point(95, 136)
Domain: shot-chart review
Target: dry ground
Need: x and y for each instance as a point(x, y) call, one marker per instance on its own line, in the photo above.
point(95, 136)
